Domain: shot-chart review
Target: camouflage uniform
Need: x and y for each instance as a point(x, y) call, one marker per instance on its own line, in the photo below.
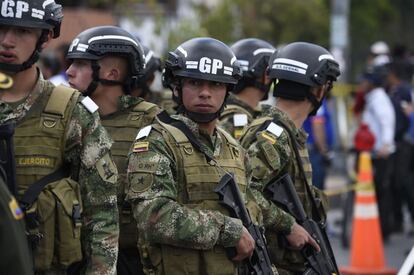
point(179, 221)
point(272, 155)
point(133, 113)
point(234, 106)
point(87, 152)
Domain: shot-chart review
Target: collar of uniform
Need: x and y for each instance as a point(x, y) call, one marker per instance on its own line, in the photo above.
point(128, 101)
point(210, 143)
point(234, 99)
point(279, 115)
point(18, 112)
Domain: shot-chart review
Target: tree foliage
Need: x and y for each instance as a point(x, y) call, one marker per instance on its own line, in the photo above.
point(278, 22)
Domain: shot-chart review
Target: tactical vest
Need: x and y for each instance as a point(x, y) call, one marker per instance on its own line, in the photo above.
point(123, 128)
point(196, 179)
point(230, 111)
point(282, 257)
point(39, 142)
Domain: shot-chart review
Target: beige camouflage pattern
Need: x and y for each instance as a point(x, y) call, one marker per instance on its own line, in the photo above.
point(86, 149)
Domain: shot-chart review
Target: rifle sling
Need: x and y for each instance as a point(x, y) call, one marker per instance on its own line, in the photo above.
point(36, 188)
point(165, 118)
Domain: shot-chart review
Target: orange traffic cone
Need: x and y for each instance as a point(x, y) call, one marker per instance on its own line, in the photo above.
point(367, 251)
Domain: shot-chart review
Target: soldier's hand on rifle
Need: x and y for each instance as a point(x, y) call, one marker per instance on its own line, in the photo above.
point(244, 246)
point(298, 237)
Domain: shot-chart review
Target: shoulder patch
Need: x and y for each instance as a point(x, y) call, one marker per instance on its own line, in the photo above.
point(144, 132)
point(15, 209)
point(140, 146)
point(89, 104)
point(274, 129)
point(270, 154)
point(240, 120)
point(140, 182)
point(107, 169)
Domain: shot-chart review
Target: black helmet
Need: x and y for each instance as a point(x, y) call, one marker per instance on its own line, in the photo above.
point(152, 64)
point(201, 58)
point(253, 55)
point(299, 66)
point(304, 63)
point(97, 42)
point(41, 14)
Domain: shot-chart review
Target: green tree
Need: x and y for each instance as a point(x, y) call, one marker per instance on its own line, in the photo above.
point(278, 22)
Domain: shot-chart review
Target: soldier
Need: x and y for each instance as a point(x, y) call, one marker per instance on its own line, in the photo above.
point(107, 71)
point(66, 177)
point(243, 103)
point(305, 74)
point(182, 227)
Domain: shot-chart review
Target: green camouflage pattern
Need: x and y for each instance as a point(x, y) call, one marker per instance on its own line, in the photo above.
point(87, 148)
point(153, 192)
point(234, 105)
point(271, 157)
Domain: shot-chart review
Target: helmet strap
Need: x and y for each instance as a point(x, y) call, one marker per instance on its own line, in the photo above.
point(15, 68)
point(315, 102)
point(95, 79)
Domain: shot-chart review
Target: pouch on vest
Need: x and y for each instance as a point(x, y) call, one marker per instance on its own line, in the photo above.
point(58, 210)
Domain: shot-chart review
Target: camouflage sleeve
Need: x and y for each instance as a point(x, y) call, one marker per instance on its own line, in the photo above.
point(153, 192)
point(267, 158)
point(87, 149)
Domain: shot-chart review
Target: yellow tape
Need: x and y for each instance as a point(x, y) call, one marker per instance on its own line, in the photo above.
point(351, 187)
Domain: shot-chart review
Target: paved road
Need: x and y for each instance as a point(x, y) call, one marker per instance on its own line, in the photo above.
point(395, 249)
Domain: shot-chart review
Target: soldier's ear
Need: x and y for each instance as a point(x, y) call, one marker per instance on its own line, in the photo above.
point(175, 91)
point(48, 39)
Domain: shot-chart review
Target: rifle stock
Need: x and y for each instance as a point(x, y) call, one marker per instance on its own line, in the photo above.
point(282, 192)
point(230, 197)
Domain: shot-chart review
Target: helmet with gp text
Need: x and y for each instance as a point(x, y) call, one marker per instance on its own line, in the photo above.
point(201, 58)
point(152, 64)
point(95, 43)
point(253, 55)
point(306, 65)
point(39, 14)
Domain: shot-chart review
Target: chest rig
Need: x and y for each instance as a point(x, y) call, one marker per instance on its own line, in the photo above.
point(52, 201)
point(123, 127)
point(39, 138)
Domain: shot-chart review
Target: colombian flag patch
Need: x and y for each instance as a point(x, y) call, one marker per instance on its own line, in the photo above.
point(15, 209)
point(140, 146)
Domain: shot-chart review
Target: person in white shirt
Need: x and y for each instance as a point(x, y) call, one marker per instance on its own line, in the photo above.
point(379, 115)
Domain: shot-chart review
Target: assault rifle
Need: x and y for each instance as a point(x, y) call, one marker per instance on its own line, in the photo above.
point(229, 194)
point(7, 156)
point(283, 193)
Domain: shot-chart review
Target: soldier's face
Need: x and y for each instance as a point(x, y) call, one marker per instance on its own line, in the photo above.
point(80, 74)
point(203, 96)
point(17, 43)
